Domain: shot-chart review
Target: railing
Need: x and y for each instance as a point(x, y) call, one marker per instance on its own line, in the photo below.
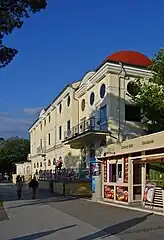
point(41, 150)
point(64, 174)
point(91, 124)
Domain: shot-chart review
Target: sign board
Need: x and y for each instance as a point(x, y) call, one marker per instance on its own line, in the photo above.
point(149, 193)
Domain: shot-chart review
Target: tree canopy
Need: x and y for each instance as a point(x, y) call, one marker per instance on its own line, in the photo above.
point(12, 16)
point(150, 97)
point(13, 150)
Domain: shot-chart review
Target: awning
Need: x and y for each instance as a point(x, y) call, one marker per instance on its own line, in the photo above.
point(149, 160)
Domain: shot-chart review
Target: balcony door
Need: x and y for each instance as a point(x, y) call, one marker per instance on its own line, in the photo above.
point(103, 118)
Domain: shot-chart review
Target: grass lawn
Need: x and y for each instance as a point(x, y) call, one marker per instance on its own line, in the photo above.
point(1, 203)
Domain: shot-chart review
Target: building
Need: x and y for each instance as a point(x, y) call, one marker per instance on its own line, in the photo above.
point(90, 114)
point(23, 169)
point(133, 171)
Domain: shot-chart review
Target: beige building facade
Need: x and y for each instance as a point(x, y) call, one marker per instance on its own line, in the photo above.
point(133, 171)
point(90, 114)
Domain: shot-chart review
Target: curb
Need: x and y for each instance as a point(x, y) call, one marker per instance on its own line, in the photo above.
point(127, 207)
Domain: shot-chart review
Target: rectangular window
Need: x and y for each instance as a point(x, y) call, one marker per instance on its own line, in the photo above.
point(112, 172)
point(41, 126)
point(49, 139)
point(119, 173)
point(103, 118)
point(49, 118)
point(116, 172)
point(132, 113)
point(45, 122)
point(68, 125)
point(41, 143)
point(60, 132)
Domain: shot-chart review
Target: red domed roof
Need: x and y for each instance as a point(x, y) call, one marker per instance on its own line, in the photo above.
point(131, 58)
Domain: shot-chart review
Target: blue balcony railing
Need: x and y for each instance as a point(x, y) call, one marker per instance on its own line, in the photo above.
point(89, 125)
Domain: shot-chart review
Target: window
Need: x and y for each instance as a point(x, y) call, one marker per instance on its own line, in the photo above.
point(92, 98)
point(41, 143)
point(34, 165)
point(68, 100)
point(37, 164)
point(112, 172)
point(83, 105)
point(103, 118)
point(41, 126)
point(132, 113)
point(49, 118)
point(102, 90)
point(60, 132)
point(49, 139)
point(132, 88)
point(68, 125)
point(60, 108)
point(44, 122)
point(40, 164)
point(116, 172)
point(119, 167)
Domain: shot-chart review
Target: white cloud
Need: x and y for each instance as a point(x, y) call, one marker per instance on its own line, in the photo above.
point(3, 114)
point(32, 111)
point(14, 126)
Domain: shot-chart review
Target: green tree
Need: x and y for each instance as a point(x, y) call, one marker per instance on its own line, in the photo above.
point(13, 150)
point(150, 97)
point(12, 15)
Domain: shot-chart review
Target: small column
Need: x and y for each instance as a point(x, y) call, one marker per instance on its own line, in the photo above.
point(163, 197)
point(143, 183)
point(102, 180)
point(130, 180)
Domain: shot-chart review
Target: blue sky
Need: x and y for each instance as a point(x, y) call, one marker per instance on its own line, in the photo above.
point(60, 44)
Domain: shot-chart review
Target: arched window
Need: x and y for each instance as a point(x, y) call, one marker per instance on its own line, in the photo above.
point(92, 98)
point(102, 90)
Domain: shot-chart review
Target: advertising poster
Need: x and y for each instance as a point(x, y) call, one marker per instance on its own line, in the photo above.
point(93, 185)
point(125, 170)
point(105, 171)
point(94, 167)
point(122, 194)
point(149, 193)
point(109, 192)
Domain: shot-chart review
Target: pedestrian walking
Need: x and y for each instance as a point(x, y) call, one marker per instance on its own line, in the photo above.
point(19, 185)
point(34, 185)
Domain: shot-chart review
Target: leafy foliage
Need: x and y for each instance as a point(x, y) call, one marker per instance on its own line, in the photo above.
point(12, 15)
point(150, 97)
point(13, 150)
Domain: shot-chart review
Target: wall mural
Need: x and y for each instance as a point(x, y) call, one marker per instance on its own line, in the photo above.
point(71, 161)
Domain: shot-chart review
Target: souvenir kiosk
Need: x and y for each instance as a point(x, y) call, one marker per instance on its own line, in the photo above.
point(133, 171)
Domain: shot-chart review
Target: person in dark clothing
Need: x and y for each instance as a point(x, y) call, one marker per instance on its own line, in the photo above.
point(34, 185)
point(19, 185)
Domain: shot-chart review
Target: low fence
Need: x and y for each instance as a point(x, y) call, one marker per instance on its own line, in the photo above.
point(67, 182)
point(76, 188)
point(64, 174)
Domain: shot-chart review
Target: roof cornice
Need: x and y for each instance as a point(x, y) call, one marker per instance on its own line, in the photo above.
point(111, 68)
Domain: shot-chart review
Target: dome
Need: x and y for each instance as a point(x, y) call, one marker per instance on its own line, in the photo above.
point(130, 58)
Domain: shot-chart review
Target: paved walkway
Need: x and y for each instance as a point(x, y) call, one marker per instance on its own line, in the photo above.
point(53, 218)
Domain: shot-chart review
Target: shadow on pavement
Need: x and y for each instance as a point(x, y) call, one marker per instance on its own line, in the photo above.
point(115, 229)
point(41, 234)
point(42, 199)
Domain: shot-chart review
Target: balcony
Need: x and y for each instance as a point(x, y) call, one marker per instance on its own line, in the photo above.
point(86, 132)
point(41, 151)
